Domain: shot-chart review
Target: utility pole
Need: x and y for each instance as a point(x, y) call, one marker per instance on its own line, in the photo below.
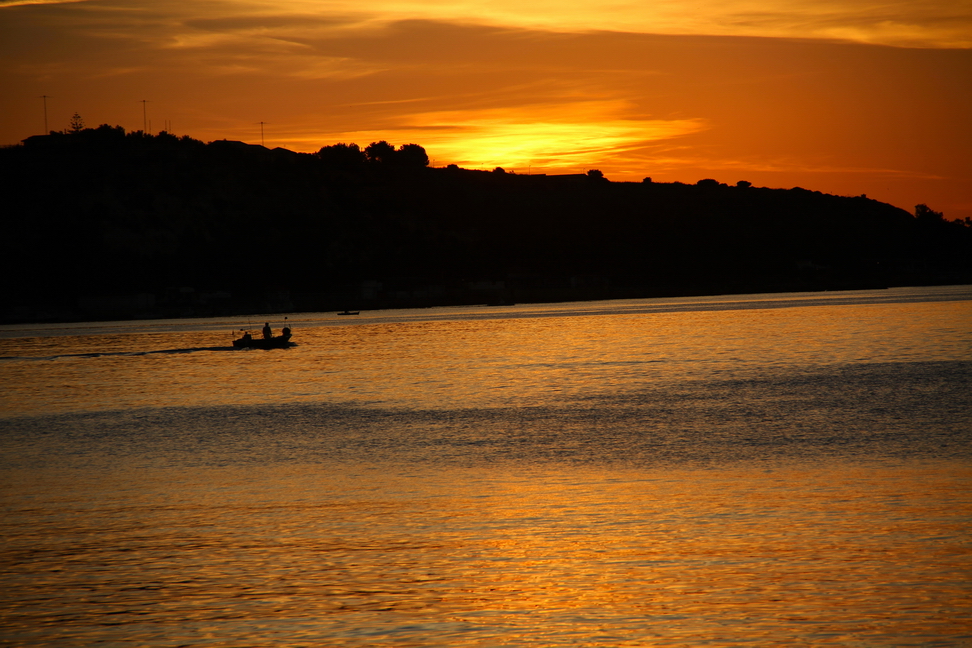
point(45, 98)
point(261, 134)
point(144, 117)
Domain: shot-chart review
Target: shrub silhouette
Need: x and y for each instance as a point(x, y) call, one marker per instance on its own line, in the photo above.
point(343, 156)
point(411, 155)
point(380, 151)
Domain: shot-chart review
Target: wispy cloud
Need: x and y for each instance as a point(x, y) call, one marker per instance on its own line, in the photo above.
point(904, 23)
point(20, 3)
point(921, 23)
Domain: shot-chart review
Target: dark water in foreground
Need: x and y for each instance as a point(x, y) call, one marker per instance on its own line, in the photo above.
point(766, 470)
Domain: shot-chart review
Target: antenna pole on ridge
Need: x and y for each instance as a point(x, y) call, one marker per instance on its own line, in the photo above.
point(45, 98)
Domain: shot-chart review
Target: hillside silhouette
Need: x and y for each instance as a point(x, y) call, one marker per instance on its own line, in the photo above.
point(100, 223)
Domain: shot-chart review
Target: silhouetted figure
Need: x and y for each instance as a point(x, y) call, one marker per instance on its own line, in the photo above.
point(267, 332)
point(286, 331)
point(247, 336)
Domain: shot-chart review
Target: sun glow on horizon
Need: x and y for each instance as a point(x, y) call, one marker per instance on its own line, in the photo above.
point(562, 137)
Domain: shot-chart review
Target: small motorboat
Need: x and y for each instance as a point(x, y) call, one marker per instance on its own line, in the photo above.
point(347, 312)
point(250, 342)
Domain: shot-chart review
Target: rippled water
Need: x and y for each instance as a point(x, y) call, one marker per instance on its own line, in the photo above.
point(759, 470)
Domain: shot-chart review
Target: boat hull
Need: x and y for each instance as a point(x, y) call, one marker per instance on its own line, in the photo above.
point(279, 342)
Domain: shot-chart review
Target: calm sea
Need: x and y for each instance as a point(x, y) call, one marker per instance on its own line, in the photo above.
point(764, 470)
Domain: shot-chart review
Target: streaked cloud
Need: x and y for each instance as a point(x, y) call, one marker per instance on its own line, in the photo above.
point(899, 23)
point(905, 23)
point(20, 3)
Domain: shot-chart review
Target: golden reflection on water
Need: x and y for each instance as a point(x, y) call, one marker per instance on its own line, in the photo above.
point(379, 555)
point(719, 477)
point(461, 363)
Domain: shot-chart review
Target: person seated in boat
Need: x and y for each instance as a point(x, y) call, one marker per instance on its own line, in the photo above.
point(247, 337)
point(267, 331)
point(286, 331)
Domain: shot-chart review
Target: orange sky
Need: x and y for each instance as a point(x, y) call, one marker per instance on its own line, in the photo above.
point(847, 97)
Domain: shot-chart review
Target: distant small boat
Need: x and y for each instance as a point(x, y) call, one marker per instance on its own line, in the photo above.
point(349, 312)
point(249, 342)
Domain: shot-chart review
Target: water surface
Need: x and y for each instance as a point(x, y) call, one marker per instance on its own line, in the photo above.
point(758, 470)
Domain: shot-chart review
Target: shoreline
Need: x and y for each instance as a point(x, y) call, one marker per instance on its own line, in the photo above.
point(366, 311)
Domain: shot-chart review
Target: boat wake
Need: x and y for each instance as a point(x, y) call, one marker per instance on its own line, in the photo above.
point(115, 353)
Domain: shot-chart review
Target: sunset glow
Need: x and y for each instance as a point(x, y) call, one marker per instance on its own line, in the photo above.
point(847, 98)
point(562, 137)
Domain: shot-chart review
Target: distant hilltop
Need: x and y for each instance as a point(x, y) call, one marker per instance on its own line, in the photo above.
point(101, 223)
